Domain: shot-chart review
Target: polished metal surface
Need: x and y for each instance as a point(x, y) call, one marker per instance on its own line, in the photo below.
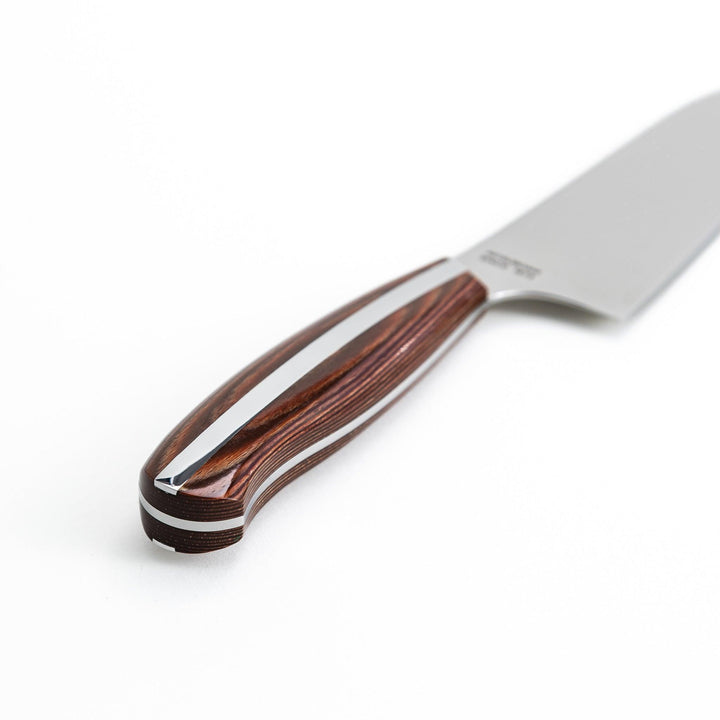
point(616, 236)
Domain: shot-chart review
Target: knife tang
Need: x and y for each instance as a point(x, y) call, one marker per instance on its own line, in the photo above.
point(299, 403)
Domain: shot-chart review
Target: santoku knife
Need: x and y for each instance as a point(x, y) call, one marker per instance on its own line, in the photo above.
point(607, 243)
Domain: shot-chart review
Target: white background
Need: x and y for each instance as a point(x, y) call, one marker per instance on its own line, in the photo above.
point(534, 532)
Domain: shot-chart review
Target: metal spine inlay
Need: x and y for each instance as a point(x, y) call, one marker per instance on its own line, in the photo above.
point(208, 442)
point(238, 522)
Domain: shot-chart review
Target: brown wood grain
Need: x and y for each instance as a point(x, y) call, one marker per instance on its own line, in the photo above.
point(335, 392)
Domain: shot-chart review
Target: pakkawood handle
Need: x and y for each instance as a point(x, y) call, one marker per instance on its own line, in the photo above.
point(299, 403)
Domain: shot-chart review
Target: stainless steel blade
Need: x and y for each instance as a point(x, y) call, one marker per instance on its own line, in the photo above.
point(612, 239)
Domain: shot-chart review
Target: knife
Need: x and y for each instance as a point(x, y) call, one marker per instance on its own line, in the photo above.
point(607, 243)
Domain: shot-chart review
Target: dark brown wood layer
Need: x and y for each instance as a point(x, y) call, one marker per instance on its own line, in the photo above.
point(189, 507)
point(334, 393)
point(210, 409)
point(310, 462)
point(187, 541)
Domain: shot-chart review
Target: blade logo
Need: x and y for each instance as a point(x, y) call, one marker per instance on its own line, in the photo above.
point(505, 263)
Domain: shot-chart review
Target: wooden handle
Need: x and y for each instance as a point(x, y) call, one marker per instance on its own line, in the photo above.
point(299, 403)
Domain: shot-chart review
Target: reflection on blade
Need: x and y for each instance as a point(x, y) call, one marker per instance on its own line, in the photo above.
point(616, 236)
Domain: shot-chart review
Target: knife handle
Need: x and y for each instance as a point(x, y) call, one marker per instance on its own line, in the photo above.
point(297, 404)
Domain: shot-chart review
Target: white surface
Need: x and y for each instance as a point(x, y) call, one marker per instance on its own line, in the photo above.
point(533, 533)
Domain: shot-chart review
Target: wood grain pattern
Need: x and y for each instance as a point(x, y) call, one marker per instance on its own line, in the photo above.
point(339, 389)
